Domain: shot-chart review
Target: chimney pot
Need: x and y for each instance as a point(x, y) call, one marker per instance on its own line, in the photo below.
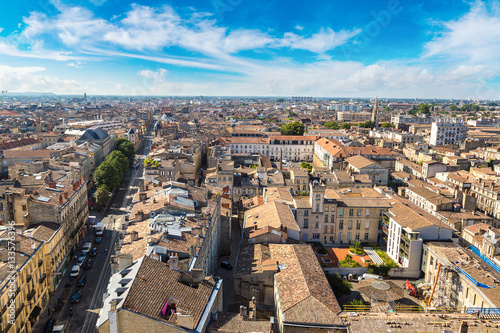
point(65, 194)
point(60, 199)
point(52, 184)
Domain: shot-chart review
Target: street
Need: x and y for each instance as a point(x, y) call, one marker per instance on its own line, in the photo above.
point(85, 313)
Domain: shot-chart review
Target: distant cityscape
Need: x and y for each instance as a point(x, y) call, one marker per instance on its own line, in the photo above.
point(248, 214)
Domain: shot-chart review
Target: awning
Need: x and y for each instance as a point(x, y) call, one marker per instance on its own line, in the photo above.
point(36, 311)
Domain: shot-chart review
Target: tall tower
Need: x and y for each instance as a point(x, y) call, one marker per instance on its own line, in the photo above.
point(375, 113)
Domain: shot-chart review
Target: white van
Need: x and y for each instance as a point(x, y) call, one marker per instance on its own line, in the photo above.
point(75, 271)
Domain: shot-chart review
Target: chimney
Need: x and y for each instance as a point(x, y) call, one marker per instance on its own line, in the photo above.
point(196, 230)
point(173, 262)
point(65, 194)
point(464, 328)
point(243, 311)
point(197, 275)
point(134, 235)
point(113, 317)
point(52, 184)
point(281, 160)
point(60, 199)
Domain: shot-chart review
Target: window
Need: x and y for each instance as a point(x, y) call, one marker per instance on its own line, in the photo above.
point(432, 260)
point(24, 207)
point(349, 225)
point(341, 224)
point(368, 212)
point(340, 237)
point(358, 224)
point(327, 208)
point(326, 230)
point(367, 224)
point(351, 212)
point(331, 230)
point(358, 213)
point(366, 236)
point(349, 236)
point(333, 218)
point(306, 223)
point(317, 208)
point(341, 211)
point(326, 218)
point(306, 213)
point(315, 236)
point(316, 225)
point(357, 236)
point(331, 239)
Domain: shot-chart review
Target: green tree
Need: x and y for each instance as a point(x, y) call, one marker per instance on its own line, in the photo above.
point(388, 125)
point(414, 110)
point(280, 100)
point(332, 125)
point(307, 166)
point(367, 124)
point(119, 161)
point(346, 126)
point(101, 195)
point(107, 174)
point(348, 262)
point(424, 108)
point(126, 147)
point(294, 128)
point(339, 286)
point(453, 107)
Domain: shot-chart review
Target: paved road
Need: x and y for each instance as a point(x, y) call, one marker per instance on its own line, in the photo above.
point(85, 313)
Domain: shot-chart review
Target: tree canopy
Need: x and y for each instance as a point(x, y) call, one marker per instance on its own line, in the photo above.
point(126, 147)
point(346, 126)
point(332, 125)
point(307, 166)
point(424, 108)
point(293, 128)
point(388, 125)
point(367, 124)
point(101, 195)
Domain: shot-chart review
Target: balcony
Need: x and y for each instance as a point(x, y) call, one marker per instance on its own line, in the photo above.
point(19, 309)
point(31, 294)
point(42, 278)
point(28, 279)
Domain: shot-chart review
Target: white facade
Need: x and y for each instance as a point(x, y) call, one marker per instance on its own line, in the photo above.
point(294, 148)
point(448, 131)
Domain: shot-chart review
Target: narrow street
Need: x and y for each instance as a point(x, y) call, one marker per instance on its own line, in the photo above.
point(85, 313)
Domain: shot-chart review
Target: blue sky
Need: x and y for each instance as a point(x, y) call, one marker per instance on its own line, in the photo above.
point(425, 49)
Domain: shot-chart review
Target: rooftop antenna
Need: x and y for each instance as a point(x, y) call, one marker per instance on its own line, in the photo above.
point(3, 95)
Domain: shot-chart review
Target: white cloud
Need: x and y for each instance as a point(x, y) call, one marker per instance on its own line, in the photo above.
point(320, 42)
point(1, 29)
point(299, 27)
point(32, 79)
point(474, 37)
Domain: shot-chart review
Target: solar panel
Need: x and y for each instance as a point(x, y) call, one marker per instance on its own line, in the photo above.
point(43, 199)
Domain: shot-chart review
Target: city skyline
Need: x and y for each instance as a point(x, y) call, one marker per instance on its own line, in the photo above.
point(439, 49)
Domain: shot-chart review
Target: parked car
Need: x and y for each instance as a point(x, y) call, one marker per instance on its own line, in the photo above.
point(226, 265)
point(76, 297)
point(75, 271)
point(86, 248)
point(98, 240)
point(80, 260)
point(49, 325)
point(93, 252)
point(88, 264)
point(81, 281)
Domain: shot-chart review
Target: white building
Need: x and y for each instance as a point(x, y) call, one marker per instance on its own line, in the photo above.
point(295, 148)
point(448, 131)
point(407, 228)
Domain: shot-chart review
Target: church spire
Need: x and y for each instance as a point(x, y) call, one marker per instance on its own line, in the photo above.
point(375, 113)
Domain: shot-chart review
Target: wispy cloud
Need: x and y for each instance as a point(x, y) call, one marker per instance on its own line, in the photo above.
point(33, 79)
point(474, 37)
